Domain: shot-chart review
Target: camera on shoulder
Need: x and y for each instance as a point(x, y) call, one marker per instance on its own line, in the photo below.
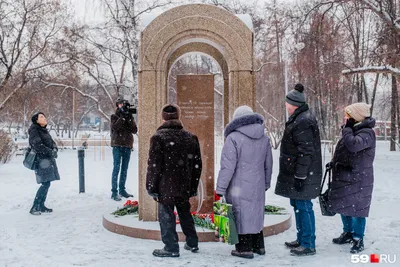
point(131, 109)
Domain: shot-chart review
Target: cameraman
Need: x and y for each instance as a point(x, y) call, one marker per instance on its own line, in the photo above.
point(123, 127)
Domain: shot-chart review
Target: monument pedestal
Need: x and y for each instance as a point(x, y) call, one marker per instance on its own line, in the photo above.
point(130, 225)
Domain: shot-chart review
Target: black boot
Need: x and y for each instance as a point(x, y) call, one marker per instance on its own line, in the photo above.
point(259, 251)
point(358, 246)
point(243, 254)
point(302, 251)
point(165, 253)
point(192, 249)
point(44, 209)
point(125, 194)
point(293, 244)
point(35, 210)
point(344, 238)
point(115, 197)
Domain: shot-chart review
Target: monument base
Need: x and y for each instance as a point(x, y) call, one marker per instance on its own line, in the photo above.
point(130, 225)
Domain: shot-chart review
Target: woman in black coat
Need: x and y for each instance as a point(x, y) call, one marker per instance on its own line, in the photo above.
point(45, 165)
point(353, 175)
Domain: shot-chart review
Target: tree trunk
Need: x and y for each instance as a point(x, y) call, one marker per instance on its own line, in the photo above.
point(393, 114)
point(374, 93)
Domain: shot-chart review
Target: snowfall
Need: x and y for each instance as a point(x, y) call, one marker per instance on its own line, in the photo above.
point(73, 235)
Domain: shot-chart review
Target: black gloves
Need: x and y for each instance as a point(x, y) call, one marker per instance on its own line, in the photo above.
point(55, 154)
point(350, 123)
point(155, 196)
point(298, 184)
point(329, 165)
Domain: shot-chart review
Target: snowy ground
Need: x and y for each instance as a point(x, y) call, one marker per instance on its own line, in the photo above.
point(74, 236)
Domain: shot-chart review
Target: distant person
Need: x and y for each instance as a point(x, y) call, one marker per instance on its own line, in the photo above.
point(45, 164)
point(353, 175)
point(123, 127)
point(173, 175)
point(300, 169)
point(245, 175)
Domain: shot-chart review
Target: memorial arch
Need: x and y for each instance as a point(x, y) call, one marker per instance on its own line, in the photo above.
point(200, 28)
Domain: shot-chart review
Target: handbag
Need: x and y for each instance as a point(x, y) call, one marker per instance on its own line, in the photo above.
point(324, 197)
point(30, 159)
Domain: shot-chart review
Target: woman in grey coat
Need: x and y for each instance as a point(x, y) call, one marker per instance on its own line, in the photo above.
point(245, 175)
point(45, 165)
point(353, 175)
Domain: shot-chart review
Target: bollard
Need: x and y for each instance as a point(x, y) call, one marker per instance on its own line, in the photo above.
point(81, 158)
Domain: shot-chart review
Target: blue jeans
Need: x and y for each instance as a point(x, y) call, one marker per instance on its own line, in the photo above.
point(305, 222)
point(355, 225)
point(120, 154)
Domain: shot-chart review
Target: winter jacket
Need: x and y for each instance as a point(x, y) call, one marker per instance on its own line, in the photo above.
point(353, 172)
point(246, 168)
point(41, 142)
point(174, 164)
point(123, 127)
point(300, 156)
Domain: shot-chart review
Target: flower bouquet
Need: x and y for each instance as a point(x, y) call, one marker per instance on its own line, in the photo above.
point(130, 207)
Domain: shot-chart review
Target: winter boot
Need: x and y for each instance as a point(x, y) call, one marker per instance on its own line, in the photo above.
point(35, 210)
point(358, 246)
point(259, 251)
point(115, 197)
point(243, 254)
point(344, 238)
point(302, 251)
point(192, 249)
point(165, 253)
point(125, 194)
point(293, 244)
point(44, 209)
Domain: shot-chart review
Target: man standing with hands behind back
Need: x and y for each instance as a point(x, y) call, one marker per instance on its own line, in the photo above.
point(300, 169)
point(173, 175)
point(123, 127)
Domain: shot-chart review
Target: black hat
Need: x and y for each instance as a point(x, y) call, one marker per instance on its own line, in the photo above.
point(170, 112)
point(120, 100)
point(296, 96)
point(36, 117)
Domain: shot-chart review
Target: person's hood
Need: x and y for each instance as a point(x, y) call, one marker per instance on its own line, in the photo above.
point(249, 125)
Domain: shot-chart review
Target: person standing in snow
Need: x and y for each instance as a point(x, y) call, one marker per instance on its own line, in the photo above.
point(123, 127)
point(45, 163)
point(300, 169)
point(353, 175)
point(173, 175)
point(245, 175)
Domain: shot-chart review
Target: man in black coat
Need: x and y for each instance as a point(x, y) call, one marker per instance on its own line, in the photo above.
point(173, 174)
point(123, 127)
point(300, 169)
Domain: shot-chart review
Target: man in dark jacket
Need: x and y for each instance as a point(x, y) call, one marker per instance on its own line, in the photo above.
point(173, 174)
point(123, 127)
point(300, 169)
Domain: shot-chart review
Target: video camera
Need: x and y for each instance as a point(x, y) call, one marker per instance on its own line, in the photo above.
point(129, 108)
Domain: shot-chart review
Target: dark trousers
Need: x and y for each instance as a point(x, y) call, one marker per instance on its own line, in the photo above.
point(355, 225)
point(249, 242)
point(167, 220)
point(305, 222)
point(41, 194)
point(121, 156)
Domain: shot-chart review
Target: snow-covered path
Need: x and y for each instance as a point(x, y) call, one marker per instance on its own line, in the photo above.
point(74, 236)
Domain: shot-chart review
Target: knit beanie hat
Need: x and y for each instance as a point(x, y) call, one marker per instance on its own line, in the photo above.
point(242, 111)
point(170, 112)
point(296, 96)
point(358, 111)
point(120, 100)
point(36, 117)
